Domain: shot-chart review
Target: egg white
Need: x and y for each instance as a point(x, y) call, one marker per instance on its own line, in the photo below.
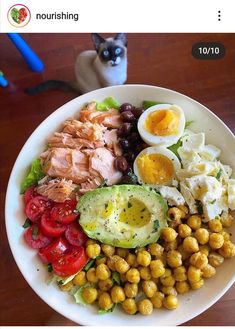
point(152, 139)
point(157, 150)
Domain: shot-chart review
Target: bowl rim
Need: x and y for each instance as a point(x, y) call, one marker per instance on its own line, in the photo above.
point(7, 198)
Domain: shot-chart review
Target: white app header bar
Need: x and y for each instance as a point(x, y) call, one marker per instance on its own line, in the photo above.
point(120, 15)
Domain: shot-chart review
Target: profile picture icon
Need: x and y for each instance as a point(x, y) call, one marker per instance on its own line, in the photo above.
point(19, 15)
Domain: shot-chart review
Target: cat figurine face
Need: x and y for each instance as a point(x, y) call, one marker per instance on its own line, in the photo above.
point(111, 51)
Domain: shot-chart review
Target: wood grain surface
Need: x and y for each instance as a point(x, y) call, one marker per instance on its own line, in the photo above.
point(158, 59)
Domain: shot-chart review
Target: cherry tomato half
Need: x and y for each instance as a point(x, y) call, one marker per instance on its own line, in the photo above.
point(75, 235)
point(29, 194)
point(54, 250)
point(65, 212)
point(71, 262)
point(50, 227)
point(36, 207)
point(35, 238)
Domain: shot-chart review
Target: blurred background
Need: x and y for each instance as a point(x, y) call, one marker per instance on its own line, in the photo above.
point(163, 60)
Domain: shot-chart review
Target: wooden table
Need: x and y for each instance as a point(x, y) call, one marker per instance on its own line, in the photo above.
point(157, 59)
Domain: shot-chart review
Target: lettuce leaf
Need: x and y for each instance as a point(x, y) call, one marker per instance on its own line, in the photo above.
point(174, 148)
point(33, 176)
point(107, 103)
point(188, 123)
point(147, 104)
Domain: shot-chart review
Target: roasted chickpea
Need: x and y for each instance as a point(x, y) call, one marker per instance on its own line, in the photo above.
point(93, 250)
point(145, 306)
point(170, 302)
point(168, 234)
point(80, 279)
point(149, 288)
point(155, 249)
point(205, 249)
point(170, 245)
point(226, 235)
point(117, 294)
point(194, 222)
point(67, 286)
point(108, 250)
point(199, 260)
point(105, 285)
point(132, 260)
point(180, 273)
point(184, 211)
point(101, 260)
point(145, 273)
point(121, 265)
point(111, 261)
point(129, 306)
point(215, 259)
point(202, 235)
point(174, 258)
point(91, 275)
point(184, 253)
point(143, 258)
point(184, 230)
point(105, 301)
point(103, 272)
point(190, 244)
point(168, 281)
point(122, 252)
point(133, 275)
point(182, 287)
point(169, 290)
point(157, 268)
point(194, 274)
point(197, 285)
point(215, 225)
point(131, 289)
point(175, 215)
point(90, 241)
point(216, 240)
point(208, 271)
point(89, 294)
point(227, 250)
point(226, 219)
point(157, 299)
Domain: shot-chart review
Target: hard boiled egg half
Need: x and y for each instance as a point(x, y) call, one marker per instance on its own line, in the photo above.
point(162, 124)
point(156, 166)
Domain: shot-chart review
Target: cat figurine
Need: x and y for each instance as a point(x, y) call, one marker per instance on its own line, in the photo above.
point(105, 66)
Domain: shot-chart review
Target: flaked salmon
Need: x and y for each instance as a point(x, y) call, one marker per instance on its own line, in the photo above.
point(57, 190)
point(110, 119)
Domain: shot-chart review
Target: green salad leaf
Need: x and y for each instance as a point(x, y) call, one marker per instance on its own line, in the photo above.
point(89, 265)
point(33, 176)
point(188, 123)
point(219, 173)
point(147, 104)
point(116, 278)
point(174, 148)
point(107, 103)
point(77, 294)
point(102, 311)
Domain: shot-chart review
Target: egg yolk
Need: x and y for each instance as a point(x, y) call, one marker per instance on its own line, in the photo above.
point(155, 168)
point(162, 122)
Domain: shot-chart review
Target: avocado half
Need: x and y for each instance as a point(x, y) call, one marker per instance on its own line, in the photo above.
point(126, 216)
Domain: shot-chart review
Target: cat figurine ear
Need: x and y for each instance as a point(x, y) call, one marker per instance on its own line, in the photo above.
point(97, 40)
point(122, 37)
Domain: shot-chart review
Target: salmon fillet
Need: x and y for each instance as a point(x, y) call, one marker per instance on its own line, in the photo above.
point(111, 141)
point(66, 163)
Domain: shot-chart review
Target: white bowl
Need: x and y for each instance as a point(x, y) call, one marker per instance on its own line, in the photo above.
point(191, 304)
